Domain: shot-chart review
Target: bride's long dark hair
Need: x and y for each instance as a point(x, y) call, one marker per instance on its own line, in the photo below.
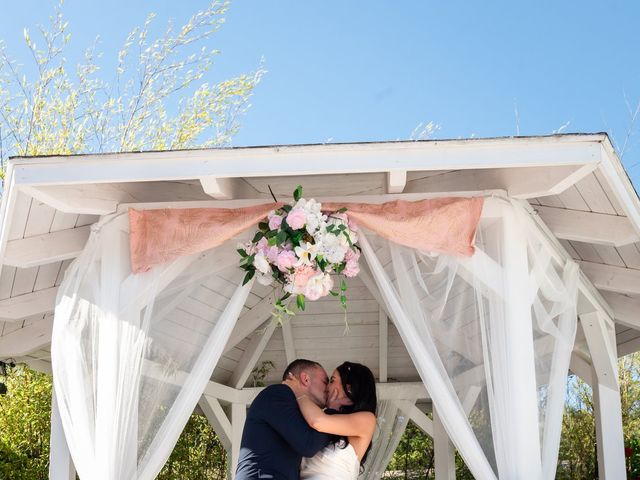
point(359, 386)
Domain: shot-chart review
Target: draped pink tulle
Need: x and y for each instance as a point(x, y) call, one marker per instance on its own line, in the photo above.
point(444, 225)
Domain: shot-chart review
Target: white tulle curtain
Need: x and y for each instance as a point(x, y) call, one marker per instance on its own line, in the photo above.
point(127, 371)
point(392, 420)
point(491, 338)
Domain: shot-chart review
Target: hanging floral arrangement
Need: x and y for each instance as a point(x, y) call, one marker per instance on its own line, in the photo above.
point(302, 249)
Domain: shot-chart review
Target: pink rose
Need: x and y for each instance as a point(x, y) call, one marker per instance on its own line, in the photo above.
point(352, 255)
point(353, 226)
point(272, 254)
point(318, 286)
point(274, 222)
point(301, 277)
point(351, 270)
point(296, 218)
point(262, 245)
point(286, 260)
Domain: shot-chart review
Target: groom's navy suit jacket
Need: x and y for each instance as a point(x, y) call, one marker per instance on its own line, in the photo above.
point(276, 437)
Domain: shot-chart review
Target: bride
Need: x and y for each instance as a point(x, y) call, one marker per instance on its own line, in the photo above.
point(350, 419)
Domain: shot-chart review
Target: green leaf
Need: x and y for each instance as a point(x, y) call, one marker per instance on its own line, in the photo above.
point(330, 228)
point(242, 252)
point(248, 276)
point(340, 267)
point(287, 208)
point(343, 285)
point(257, 237)
point(297, 193)
point(281, 237)
point(263, 226)
point(343, 301)
point(300, 301)
point(271, 233)
point(342, 210)
point(334, 293)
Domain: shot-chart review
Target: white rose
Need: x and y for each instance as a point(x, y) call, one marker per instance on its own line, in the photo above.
point(261, 263)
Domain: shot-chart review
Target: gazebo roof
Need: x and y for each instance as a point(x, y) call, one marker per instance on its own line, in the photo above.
point(575, 185)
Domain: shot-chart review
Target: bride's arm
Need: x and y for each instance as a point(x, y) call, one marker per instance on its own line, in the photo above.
point(357, 424)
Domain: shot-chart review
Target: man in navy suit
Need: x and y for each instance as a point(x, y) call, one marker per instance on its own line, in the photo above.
point(276, 435)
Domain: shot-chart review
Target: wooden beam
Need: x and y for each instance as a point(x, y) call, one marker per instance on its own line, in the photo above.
point(60, 463)
point(523, 183)
point(289, 345)
point(603, 355)
point(470, 398)
point(47, 248)
point(16, 308)
point(444, 453)
point(27, 339)
point(625, 309)
point(581, 367)
point(218, 188)
point(217, 419)
point(423, 422)
point(319, 159)
point(383, 340)
point(251, 355)
point(396, 181)
point(612, 278)
point(588, 227)
point(238, 418)
point(74, 199)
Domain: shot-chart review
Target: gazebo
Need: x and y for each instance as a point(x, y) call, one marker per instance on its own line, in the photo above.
point(481, 335)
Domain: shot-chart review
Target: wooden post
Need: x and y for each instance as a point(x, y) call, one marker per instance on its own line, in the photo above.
point(445, 457)
point(60, 463)
point(238, 417)
point(606, 397)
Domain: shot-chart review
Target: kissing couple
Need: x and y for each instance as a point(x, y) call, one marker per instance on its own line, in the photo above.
point(310, 426)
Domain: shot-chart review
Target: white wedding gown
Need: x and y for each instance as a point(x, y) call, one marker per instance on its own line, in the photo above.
point(331, 463)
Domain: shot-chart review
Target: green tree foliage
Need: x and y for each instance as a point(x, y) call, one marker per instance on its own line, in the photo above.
point(24, 435)
point(160, 98)
point(24, 425)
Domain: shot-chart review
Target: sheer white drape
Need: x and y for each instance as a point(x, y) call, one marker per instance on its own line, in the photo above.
point(491, 338)
point(392, 422)
point(128, 364)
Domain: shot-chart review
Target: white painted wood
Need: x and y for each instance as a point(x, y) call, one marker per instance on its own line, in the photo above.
point(609, 255)
point(594, 195)
point(46, 248)
point(612, 278)
point(470, 397)
point(319, 159)
point(581, 367)
point(423, 422)
point(630, 255)
point(609, 435)
point(217, 419)
point(625, 308)
point(238, 418)
point(16, 308)
point(218, 188)
point(444, 453)
point(588, 226)
point(252, 354)
point(383, 340)
point(287, 338)
point(27, 339)
point(603, 355)
point(73, 199)
point(60, 463)
point(396, 181)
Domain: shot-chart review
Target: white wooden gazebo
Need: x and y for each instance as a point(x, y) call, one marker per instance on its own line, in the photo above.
point(573, 189)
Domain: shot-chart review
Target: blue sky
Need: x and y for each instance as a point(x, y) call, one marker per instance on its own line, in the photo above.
point(360, 71)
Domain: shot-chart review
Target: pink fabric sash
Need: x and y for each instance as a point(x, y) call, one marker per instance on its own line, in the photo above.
point(444, 225)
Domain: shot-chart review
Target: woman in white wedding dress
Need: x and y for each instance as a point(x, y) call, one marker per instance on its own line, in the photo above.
point(350, 419)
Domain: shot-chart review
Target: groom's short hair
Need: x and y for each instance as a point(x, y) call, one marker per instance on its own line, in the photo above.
point(298, 366)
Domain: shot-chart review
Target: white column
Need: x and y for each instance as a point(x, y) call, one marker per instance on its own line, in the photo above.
point(238, 417)
point(606, 397)
point(60, 463)
point(445, 458)
point(511, 349)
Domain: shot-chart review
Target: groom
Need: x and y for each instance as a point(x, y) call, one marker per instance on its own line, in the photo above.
point(276, 436)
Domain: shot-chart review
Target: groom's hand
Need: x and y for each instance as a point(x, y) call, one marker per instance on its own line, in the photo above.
point(295, 385)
